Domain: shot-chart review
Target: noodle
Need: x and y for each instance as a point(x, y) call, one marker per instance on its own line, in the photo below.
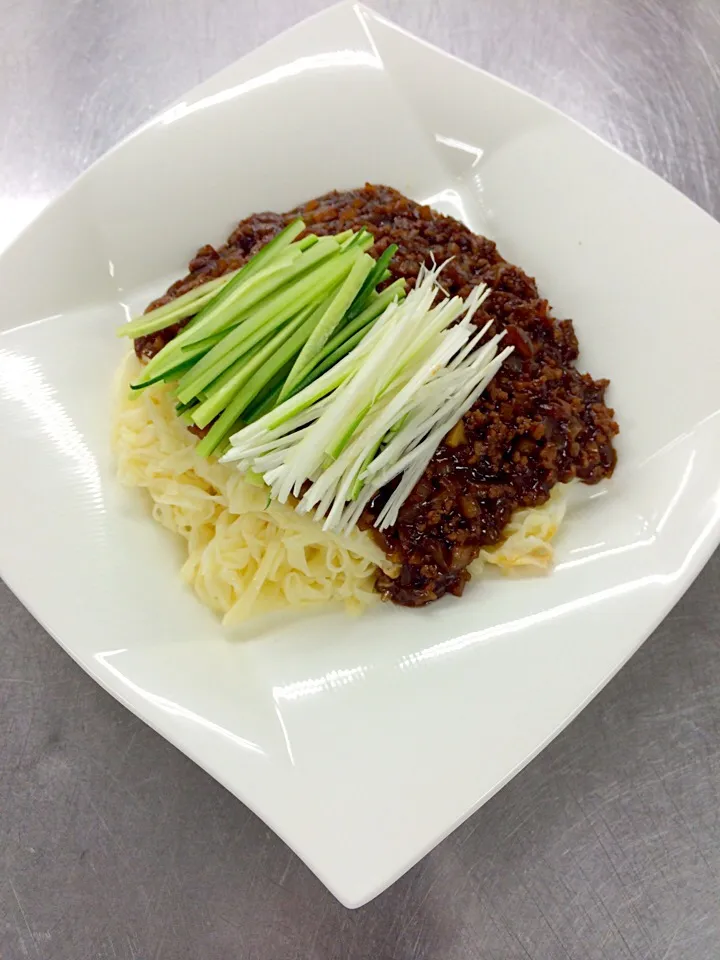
point(247, 555)
point(527, 539)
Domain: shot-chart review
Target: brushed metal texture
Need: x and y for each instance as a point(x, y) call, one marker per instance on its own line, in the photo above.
point(114, 846)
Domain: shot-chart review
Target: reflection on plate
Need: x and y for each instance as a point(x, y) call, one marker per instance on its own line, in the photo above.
point(362, 741)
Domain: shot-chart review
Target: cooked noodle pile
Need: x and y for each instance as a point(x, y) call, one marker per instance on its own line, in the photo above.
point(528, 537)
point(247, 556)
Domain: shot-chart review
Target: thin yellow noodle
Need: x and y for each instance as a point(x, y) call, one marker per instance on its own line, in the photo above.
point(527, 539)
point(247, 556)
point(244, 555)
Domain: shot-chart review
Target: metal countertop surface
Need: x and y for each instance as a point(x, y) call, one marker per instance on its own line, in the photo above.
point(114, 846)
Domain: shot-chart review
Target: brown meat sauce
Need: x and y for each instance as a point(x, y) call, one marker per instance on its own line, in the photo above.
point(539, 423)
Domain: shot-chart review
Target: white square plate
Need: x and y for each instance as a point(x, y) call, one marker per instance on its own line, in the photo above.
point(362, 742)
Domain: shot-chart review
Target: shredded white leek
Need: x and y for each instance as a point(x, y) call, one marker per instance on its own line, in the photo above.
point(380, 414)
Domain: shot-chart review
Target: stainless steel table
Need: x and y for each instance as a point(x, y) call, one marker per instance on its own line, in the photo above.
point(112, 844)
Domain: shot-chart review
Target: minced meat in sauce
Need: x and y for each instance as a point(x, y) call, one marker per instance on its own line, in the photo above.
point(540, 421)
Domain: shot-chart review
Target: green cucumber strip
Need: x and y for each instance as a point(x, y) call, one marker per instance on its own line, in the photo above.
point(221, 393)
point(210, 367)
point(362, 240)
point(377, 302)
point(254, 478)
point(198, 380)
point(345, 346)
point(268, 400)
point(333, 358)
point(309, 395)
point(246, 301)
point(219, 432)
point(358, 484)
point(339, 443)
point(278, 358)
point(309, 240)
point(189, 303)
point(172, 362)
point(220, 310)
point(333, 349)
point(174, 373)
point(178, 309)
point(337, 447)
point(277, 310)
point(242, 356)
point(223, 426)
point(362, 267)
point(206, 342)
point(372, 280)
point(184, 407)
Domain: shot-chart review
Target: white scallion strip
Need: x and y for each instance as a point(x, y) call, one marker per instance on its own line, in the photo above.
point(380, 414)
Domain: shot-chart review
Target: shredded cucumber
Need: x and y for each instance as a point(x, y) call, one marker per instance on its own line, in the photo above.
point(281, 333)
point(331, 317)
point(220, 309)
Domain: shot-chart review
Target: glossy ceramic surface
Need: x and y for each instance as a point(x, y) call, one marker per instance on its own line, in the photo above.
point(362, 742)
